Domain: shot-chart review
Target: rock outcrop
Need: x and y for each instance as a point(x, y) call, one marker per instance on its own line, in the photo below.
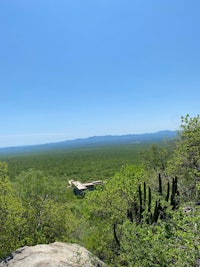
point(57, 254)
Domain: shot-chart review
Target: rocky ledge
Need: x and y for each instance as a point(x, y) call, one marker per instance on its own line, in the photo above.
point(57, 254)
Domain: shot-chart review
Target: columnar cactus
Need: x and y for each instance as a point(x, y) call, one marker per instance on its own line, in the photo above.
point(158, 211)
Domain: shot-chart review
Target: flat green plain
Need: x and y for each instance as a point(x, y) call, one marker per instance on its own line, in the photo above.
point(84, 163)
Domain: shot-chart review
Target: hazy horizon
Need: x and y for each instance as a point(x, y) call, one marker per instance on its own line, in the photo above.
point(75, 69)
point(86, 137)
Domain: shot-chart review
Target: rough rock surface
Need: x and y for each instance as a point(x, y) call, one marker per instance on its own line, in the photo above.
point(57, 254)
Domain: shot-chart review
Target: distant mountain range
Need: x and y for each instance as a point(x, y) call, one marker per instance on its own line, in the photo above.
point(94, 141)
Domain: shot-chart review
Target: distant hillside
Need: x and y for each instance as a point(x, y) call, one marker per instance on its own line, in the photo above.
point(94, 141)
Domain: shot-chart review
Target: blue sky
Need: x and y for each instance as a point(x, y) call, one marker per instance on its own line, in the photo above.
point(74, 68)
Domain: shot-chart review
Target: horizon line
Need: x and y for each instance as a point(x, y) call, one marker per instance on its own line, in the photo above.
point(66, 140)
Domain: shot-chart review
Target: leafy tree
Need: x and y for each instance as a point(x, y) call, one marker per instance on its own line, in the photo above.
point(47, 219)
point(12, 222)
point(185, 161)
point(121, 240)
point(105, 209)
point(156, 157)
point(174, 242)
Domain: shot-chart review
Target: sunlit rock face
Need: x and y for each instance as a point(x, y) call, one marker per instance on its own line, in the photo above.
point(53, 255)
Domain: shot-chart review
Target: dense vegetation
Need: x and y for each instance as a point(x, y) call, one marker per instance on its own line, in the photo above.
point(145, 214)
point(83, 163)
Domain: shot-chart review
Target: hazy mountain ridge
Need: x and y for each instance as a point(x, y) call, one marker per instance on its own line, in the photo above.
point(94, 141)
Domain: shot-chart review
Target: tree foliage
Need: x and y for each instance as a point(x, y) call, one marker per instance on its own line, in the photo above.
point(11, 215)
point(134, 219)
point(172, 239)
point(185, 161)
point(106, 209)
point(169, 241)
point(155, 158)
point(174, 242)
point(46, 219)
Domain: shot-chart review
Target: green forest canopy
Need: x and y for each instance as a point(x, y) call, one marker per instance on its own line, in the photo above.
point(145, 214)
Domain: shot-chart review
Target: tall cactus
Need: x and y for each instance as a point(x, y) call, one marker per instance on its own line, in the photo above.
point(175, 193)
point(149, 202)
point(145, 203)
point(135, 211)
point(176, 185)
point(156, 213)
point(168, 189)
point(160, 184)
point(145, 194)
point(140, 206)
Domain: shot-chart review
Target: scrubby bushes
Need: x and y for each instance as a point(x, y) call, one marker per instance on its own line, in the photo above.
point(125, 232)
point(136, 218)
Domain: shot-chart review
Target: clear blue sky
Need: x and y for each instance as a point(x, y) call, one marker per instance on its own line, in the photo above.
point(78, 68)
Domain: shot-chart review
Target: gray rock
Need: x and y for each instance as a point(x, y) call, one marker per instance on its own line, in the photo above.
point(57, 254)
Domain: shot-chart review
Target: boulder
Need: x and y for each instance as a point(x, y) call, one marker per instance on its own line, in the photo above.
point(57, 254)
